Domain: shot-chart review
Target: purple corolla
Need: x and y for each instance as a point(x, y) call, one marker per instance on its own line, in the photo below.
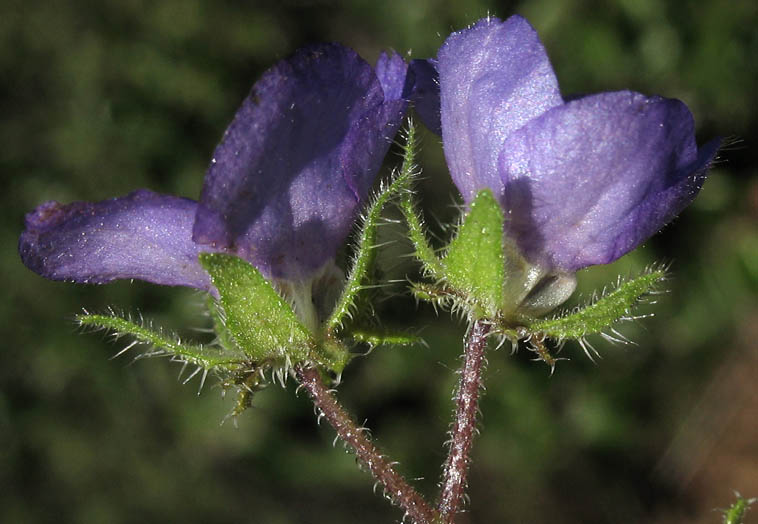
point(282, 190)
point(582, 181)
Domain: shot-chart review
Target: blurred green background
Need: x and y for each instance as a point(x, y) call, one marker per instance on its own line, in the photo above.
point(98, 98)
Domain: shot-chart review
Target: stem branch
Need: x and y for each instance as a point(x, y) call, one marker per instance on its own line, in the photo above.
point(396, 487)
point(466, 405)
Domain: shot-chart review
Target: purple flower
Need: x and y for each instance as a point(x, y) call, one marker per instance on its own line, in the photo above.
point(582, 181)
point(282, 189)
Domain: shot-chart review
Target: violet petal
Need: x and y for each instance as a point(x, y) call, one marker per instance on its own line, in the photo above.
point(143, 235)
point(392, 73)
point(589, 181)
point(426, 93)
point(494, 78)
point(289, 174)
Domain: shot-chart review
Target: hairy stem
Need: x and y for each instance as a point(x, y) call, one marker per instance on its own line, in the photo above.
point(395, 486)
point(466, 405)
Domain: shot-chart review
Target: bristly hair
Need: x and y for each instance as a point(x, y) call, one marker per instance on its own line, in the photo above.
point(602, 313)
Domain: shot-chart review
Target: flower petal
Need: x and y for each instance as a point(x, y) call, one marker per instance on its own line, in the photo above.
point(589, 181)
point(494, 78)
point(287, 178)
point(426, 93)
point(143, 235)
point(392, 73)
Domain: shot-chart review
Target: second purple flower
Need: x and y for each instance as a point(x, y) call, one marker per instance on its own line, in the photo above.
point(582, 181)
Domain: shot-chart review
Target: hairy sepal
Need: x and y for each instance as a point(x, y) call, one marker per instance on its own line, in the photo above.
point(736, 512)
point(224, 337)
point(474, 264)
point(342, 322)
point(409, 172)
point(364, 256)
point(161, 344)
point(374, 338)
point(261, 323)
point(602, 313)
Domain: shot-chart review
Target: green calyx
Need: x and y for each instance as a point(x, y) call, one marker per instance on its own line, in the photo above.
point(736, 512)
point(474, 264)
point(261, 323)
point(222, 358)
point(600, 316)
point(209, 358)
point(480, 272)
point(253, 316)
point(360, 275)
point(483, 275)
point(601, 313)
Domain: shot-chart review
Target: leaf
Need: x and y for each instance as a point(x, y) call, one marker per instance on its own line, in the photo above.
point(198, 355)
point(261, 322)
point(602, 313)
point(474, 263)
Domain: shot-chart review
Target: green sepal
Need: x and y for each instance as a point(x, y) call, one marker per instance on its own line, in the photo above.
point(384, 338)
point(164, 345)
point(224, 337)
point(474, 262)
point(400, 190)
point(601, 313)
point(409, 171)
point(364, 256)
point(434, 293)
point(247, 382)
point(736, 512)
point(332, 354)
point(261, 322)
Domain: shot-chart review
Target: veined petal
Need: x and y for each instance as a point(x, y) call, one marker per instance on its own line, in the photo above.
point(589, 181)
point(494, 78)
point(287, 178)
point(143, 235)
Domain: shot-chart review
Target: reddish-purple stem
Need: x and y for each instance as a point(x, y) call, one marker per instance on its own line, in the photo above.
point(466, 405)
point(395, 486)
